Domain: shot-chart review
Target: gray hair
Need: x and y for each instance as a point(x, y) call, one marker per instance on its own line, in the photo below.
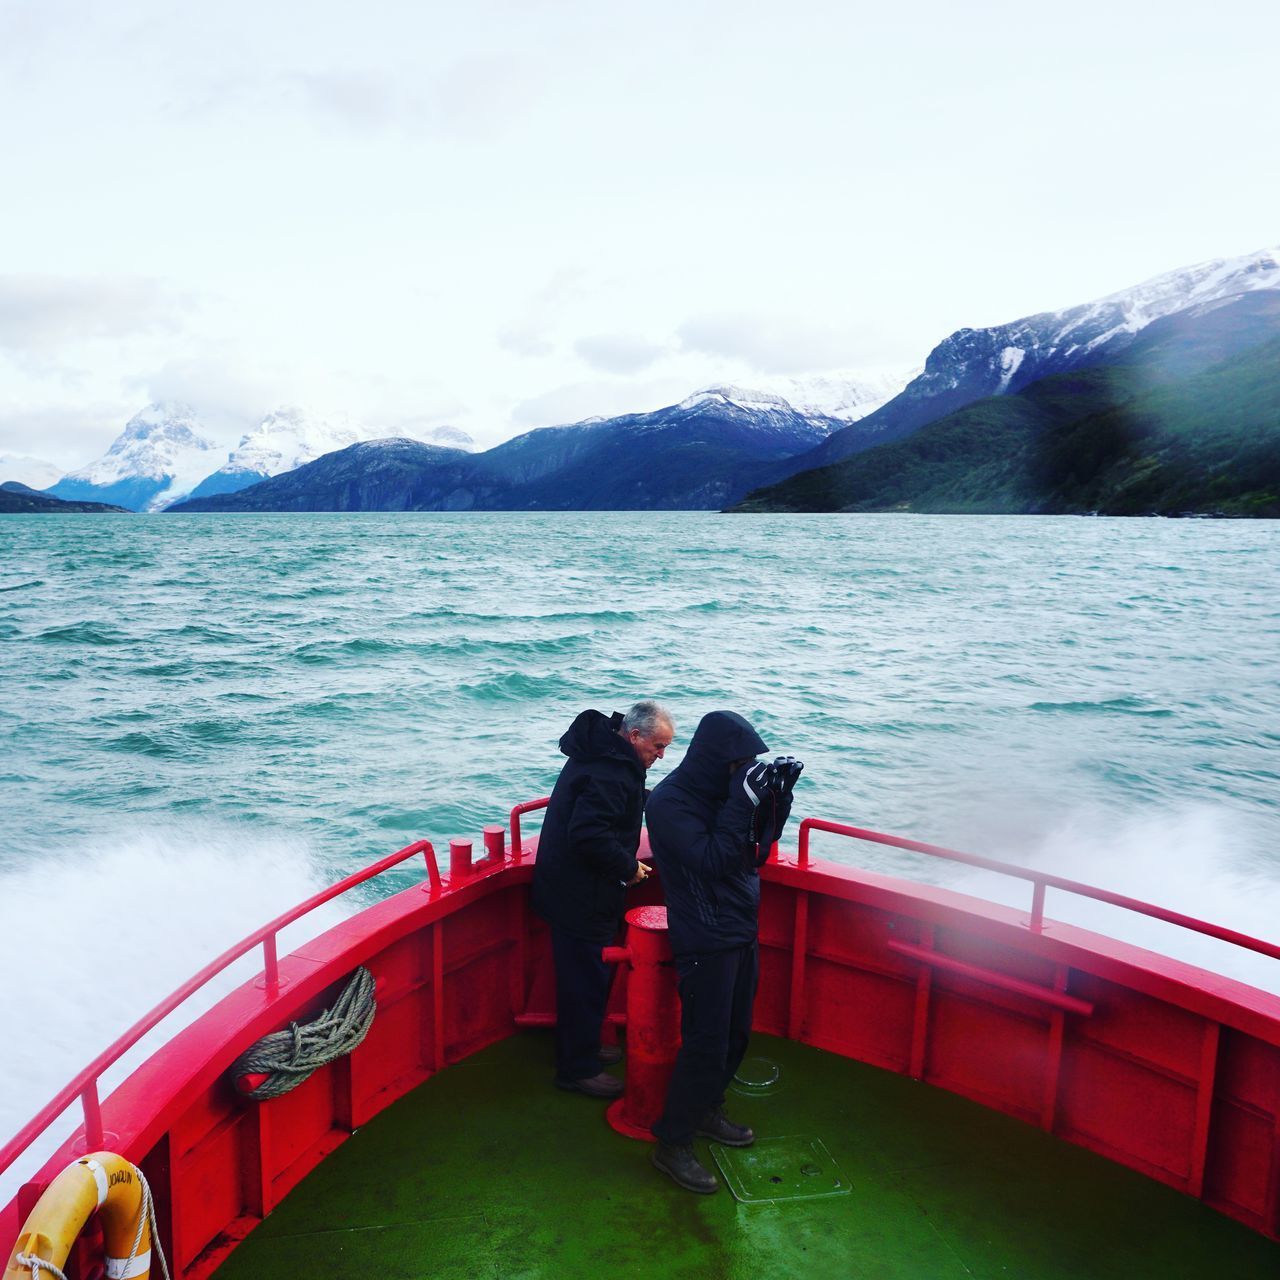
point(646, 717)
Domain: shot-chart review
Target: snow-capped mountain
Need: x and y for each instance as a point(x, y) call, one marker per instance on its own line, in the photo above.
point(843, 396)
point(35, 473)
point(847, 394)
point(695, 455)
point(159, 457)
point(290, 437)
point(730, 397)
point(285, 439)
point(974, 363)
point(446, 437)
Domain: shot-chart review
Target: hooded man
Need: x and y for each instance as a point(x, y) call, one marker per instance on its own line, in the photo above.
point(586, 861)
point(712, 822)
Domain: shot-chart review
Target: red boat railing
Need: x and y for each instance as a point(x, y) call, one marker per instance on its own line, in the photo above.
point(527, 807)
point(86, 1083)
point(1040, 881)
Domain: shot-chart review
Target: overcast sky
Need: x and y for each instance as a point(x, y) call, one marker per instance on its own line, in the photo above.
point(503, 215)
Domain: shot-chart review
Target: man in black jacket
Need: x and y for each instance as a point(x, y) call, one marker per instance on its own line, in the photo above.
point(586, 861)
point(712, 822)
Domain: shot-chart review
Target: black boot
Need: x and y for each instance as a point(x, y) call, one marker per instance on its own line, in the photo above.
point(682, 1167)
point(719, 1128)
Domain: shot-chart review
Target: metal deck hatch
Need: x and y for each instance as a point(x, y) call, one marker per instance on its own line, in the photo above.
point(776, 1169)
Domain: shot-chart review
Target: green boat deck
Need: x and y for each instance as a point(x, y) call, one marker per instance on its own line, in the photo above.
point(487, 1171)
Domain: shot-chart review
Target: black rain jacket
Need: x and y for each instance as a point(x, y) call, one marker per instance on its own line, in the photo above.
point(700, 821)
point(587, 850)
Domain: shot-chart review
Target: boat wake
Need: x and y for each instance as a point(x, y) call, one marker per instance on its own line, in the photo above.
point(1187, 859)
point(99, 937)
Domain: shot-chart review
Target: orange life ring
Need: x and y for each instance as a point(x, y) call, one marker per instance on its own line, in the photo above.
point(103, 1183)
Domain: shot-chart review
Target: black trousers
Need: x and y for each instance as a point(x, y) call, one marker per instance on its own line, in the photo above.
point(582, 993)
point(717, 992)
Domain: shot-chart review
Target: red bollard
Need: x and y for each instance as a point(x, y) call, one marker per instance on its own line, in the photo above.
point(653, 1022)
point(459, 859)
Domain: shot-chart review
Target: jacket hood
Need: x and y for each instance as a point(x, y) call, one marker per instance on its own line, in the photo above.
point(720, 738)
point(594, 736)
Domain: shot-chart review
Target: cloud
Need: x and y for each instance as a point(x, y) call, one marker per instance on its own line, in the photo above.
point(229, 391)
point(770, 344)
point(28, 30)
point(361, 100)
point(473, 98)
point(482, 95)
point(69, 435)
point(597, 399)
point(618, 352)
point(526, 339)
point(43, 312)
point(527, 335)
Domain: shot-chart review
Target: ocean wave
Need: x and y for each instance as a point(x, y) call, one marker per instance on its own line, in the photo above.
point(198, 667)
point(322, 652)
point(184, 741)
point(204, 635)
point(23, 586)
point(514, 686)
point(160, 746)
point(1126, 705)
point(341, 707)
point(502, 645)
point(596, 616)
point(96, 633)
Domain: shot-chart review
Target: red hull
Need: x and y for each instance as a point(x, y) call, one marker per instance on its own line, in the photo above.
point(1156, 1064)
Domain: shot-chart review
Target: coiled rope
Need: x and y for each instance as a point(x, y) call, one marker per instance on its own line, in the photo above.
point(289, 1057)
point(146, 1213)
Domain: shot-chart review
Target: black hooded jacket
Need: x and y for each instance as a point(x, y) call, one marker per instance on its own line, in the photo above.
point(700, 820)
point(587, 850)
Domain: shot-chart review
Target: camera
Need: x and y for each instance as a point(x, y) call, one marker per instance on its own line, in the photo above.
point(781, 775)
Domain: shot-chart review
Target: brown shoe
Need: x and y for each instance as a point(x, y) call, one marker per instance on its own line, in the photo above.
point(610, 1054)
point(602, 1086)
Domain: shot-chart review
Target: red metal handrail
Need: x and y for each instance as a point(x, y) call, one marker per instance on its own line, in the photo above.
point(527, 807)
point(86, 1083)
point(1040, 880)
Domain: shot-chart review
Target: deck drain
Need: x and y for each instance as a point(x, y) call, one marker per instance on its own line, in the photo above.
point(776, 1169)
point(756, 1076)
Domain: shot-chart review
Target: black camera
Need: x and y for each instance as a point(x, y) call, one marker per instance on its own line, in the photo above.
point(781, 775)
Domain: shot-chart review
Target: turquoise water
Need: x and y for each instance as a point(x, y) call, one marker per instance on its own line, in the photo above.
point(205, 717)
point(364, 680)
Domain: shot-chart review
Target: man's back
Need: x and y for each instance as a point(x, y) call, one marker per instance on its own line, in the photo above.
point(586, 853)
point(700, 834)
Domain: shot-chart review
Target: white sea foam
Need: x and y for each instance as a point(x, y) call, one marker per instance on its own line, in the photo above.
point(1184, 858)
point(108, 932)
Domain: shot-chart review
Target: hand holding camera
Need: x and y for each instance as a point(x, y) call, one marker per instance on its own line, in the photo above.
point(776, 779)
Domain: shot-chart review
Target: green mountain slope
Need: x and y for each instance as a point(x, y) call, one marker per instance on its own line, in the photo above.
point(1188, 422)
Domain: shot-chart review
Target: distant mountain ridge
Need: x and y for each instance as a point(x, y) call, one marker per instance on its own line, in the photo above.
point(160, 455)
point(18, 499)
point(1185, 419)
point(972, 364)
point(396, 474)
point(708, 451)
point(696, 455)
point(289, 437)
